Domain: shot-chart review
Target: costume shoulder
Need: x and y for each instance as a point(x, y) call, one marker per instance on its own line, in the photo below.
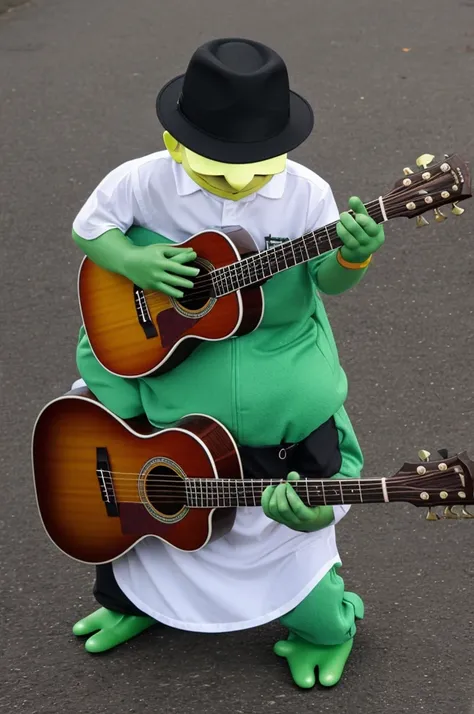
point(320, 202)
point(117, 200)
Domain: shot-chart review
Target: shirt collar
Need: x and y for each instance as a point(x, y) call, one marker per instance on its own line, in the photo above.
point(185, 186)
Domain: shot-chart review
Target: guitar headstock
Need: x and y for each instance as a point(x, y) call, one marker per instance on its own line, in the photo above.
point(430, 188)
point(446, 482)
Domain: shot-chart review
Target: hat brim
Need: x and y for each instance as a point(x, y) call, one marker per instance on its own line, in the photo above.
point(298, 129)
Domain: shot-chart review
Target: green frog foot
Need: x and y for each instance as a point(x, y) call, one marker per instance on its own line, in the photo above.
point(303, 658)
point(109, 629)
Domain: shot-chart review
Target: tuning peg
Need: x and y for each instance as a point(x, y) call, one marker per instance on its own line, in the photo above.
point(424, 455)
point(421, 221)
point(450, 514)
point(430, 516)
point(439, 217)
point(443, 453)
point(456, 210)
point(466, 514)
point(424, 160)
point(407, 171)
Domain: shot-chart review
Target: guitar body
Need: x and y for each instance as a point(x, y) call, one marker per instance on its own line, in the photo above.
point(137, 333)
point(103, 484)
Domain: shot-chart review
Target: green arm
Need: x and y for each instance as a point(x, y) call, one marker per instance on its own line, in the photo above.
point(156, 267)
point(110, 251)
point(332, 278)
point(361, 237)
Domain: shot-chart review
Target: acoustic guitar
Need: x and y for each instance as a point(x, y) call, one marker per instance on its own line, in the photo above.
point(137, 333)
point(103, 484)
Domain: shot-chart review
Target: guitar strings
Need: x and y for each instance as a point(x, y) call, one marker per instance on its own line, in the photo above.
point(330, 489)
point(170, 478)
point(182, 496)
point(205, 283)
point(276, 253)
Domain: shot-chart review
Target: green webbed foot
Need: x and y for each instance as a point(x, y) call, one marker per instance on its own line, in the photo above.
point(110, 629)
point(303, 658)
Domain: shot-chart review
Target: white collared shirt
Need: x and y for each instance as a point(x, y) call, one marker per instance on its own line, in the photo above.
point(156, 193)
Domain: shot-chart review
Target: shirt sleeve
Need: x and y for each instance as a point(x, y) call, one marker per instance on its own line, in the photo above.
point(322, 210)
point(113, 204)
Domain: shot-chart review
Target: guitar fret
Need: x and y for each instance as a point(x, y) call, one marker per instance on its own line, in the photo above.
point(324, 494)
point(360, 491)
point(329, 238)
point(253, 493)
point(212, 275)
point(217, 282)
point(307, 493)
point(340, 488)
point(306, 249)
point(258, 269)
point(269, 266)
point(247, 265)
point(227, 274)
point(252, 270)
point(231, 273)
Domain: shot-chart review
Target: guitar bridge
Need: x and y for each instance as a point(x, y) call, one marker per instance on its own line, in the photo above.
point(143, 313)
point(106, 484)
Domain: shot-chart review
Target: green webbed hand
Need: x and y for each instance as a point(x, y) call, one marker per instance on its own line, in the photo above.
point(361, 235)
point(151, 267)
point(282, 504)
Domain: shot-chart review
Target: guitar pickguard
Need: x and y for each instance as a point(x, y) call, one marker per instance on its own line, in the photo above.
point(136, 520)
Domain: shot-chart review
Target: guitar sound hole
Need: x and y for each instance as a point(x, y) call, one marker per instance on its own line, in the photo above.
point(165, 490)
point(196, 298)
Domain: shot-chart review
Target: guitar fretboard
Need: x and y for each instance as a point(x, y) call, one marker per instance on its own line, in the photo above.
point(232, 493)
point(255, 268)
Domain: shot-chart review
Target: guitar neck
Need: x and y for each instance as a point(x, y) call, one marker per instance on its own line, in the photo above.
point(232, 493)
point(264, 265)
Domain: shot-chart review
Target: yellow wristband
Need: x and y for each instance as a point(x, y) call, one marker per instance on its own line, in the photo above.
point(352, 266)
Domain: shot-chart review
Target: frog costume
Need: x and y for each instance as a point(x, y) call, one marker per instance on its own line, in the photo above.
point(230, 121)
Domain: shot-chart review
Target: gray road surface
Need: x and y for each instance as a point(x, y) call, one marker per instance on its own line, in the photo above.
point(78, 82)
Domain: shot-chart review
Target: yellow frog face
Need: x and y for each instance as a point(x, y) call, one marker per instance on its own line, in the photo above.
point(232, 181)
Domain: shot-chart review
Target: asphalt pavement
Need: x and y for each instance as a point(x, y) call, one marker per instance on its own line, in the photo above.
point(388, 81)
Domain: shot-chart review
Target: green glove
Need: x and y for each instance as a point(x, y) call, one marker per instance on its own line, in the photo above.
point(282, 504)
point(151, 267)
point(160, 267)
point(361, 235)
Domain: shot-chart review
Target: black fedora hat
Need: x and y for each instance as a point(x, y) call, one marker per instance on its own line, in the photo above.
point(234, 104)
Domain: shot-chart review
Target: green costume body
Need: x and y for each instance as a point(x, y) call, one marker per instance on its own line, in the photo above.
point(274, 385)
